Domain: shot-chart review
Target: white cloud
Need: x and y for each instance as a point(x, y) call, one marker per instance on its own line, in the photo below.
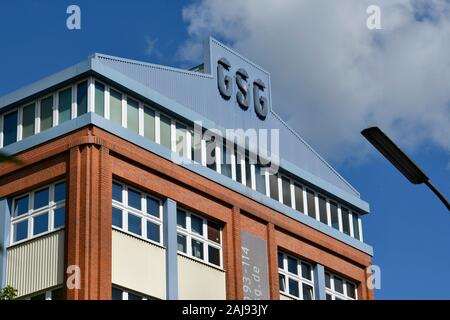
point(150, 47)
point(331, 76)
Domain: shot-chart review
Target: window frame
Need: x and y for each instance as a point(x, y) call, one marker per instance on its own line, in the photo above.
point(335, 294)
point(296, 277)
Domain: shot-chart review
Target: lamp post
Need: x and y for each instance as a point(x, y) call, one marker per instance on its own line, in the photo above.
point(400, 160)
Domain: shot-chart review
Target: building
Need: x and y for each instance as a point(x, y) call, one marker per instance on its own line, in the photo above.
point(101, 207)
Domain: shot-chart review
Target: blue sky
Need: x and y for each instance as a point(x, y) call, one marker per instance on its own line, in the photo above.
point(408, 226)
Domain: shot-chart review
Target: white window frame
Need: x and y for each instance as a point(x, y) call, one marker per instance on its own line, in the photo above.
point(297, 277)
point(335, 294)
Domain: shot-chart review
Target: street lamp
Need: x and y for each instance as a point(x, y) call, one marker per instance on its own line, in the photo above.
point(400, 160)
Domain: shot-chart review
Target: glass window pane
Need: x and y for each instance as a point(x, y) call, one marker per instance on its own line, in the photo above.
point(132, 296)
point(41, 198)
point(40, 296)
point(197, 225)
point(226, 161)
point(134, 199)
point(338, 285)
point(282, 282)
point(149, 124)
point(181, 240)
point(57, 294)
point(298, 190)
point(293, 287)
point(117, 192)
point(181, 140)
point(211, 153)
point(273, 181)
point(115, 106)
point(329, 297)
point(196, 146)
point(133, 115)
point(213, 232)
point(260, 178)
point(40, 223)
point(345, 221)
point(117, 217)
point(81, 98)
point(59, 218)
point(28, 120)
point(327, 280)
point(60, 192)
point(197, 249)
point(165, 132)
point(21, 206)
point(214, 255)
point(153, 207)
point(280, 260)
point(306, 271)
point(292, 265)
point(10, 128)
point(46, 113)
point(20, 230)
point(351, 290)
point(99, 99)
point(238, 158)
point(152, 231)
point(65, 105)
point(248, 170)
point(311, 203)
point(181, 219)
point(355, 226)
point(286, 185)
point(334, 215)
point(134, 224)
point(323, 210)
point(307, 292)
point(116, 294)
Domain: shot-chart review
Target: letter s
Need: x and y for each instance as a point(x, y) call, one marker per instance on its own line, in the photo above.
point(242, 95)
point(261, 107)
point(224, 81)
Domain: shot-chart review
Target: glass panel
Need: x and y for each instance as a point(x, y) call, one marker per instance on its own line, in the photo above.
point(196, 146)
point(327, 280)
point(165, 132)
point(355, 226)
point(311, 203)
point(99, 99)
point(181, 219)
point(133, 115)
point(181, 240)
point(134, 199)
point(65, 105)
point(238, 158)
point(60, 192)
point(41, 198)
point(117, 217)
point(273, 181)
point(307, 292)
point(351, 290)
point(323, 210)
point(60, 217)
point(226, 161)
point(10, 128)
point(334, 215)
point(46, 113)
point(117, 192)
point(152, 231)
point(260, 178)
point(153, 207)
point(81, 98)
point(282, 282)
point(338, 285)
point(197, 225)
point(298, 191)
point(306, 271)
point(248, 170)
point(211, 153)
point(214, 255)
point(280, 260)
point(181, 140)
point(20, 230)
point(286, 185)
point(40, 296)
point(28, 121)
point(149, 123)
point(197, 249)
point(293, 287)
point(40, 223)
point(21, 206)
point(134, 224)
point(116, 294)
point(292, 265)
point(329, 297)
point(57, 294)
point(115, 106)
point(213, 232)
point(132, 296)
point(345, 221)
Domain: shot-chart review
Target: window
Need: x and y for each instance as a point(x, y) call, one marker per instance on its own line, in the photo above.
point(273, 186)
point(238, 164)
point(165, 131)
point(323, 210)
point(82, 98)
point(121, 294)
point(9, 128)
point(338, 288)
point(133, 115)
point(199, 238)
point(345, 221)
point(46, 113)
point(355, 225)
point(260, 178)
point(115, 106)
point(286, 187)
point(136, 213)
point(29, 116)
point(295, 277)
point(226, 161)
point(248, 170)
point(211, 153)
point(38, 212)
point(149, 123)
point(55, 294)
point(334, 215)
point(65, 105)
point(298, 192)
point(181, 143)
point(99, 99)
point(310, 200)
